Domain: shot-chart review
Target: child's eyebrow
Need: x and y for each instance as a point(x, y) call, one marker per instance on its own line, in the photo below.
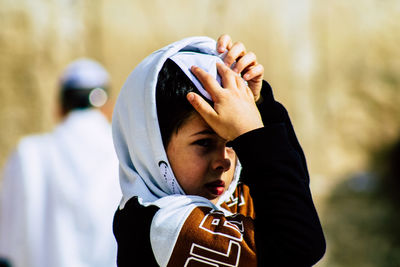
point(204, 132)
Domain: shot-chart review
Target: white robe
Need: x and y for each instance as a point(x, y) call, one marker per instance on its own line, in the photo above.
point(59, 194)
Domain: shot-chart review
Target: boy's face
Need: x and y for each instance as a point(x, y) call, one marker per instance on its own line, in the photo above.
point(201, 162)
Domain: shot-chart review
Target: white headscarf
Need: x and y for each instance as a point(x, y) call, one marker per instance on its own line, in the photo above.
point(144, 166)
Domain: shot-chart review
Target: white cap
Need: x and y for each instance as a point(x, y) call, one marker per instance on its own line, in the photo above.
point(185, 60)
point(84, 74)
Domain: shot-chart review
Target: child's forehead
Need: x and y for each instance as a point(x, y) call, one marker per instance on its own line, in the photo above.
point(195, 124)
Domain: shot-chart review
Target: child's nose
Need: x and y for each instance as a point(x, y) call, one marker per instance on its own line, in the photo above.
point(222, 162)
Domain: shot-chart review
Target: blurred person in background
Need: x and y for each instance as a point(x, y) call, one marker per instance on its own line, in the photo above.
point(60, 189)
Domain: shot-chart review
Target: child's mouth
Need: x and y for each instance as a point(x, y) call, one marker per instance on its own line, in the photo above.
point(216, 188)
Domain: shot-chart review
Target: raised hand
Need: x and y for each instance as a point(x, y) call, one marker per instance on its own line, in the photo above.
point(242, 62)
point(234, 112)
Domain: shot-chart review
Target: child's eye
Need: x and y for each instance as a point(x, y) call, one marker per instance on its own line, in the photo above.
point(203, 142)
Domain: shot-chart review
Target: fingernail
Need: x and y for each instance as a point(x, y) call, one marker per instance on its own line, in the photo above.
point(246, 76)
point(235, 70)
point(190, 97)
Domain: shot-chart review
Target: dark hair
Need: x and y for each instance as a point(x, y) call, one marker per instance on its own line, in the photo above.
point(172, 106)
point(75, 98)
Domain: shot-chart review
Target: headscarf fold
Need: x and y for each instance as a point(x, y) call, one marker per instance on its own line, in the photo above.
point(144, 169)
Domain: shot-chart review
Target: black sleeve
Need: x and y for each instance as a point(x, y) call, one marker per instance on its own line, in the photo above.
point(131, 229)
point(273, 112)
point(287, 227)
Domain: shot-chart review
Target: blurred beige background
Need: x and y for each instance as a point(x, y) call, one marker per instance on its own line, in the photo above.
point(335, 65)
